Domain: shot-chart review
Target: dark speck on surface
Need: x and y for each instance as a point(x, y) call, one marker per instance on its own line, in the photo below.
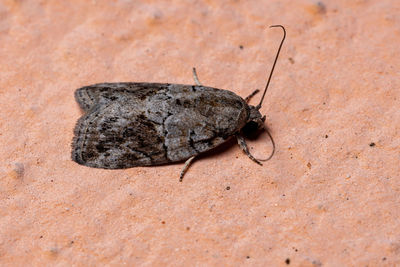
point(321, 7)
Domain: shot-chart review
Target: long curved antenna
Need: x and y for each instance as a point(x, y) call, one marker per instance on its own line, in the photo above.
point(273, 147)
point(243, 145)
point(273, 66)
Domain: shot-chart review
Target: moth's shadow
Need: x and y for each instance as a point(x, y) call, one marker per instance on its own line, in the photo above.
point(219, 150)
point(216, 151)
point(249, 134)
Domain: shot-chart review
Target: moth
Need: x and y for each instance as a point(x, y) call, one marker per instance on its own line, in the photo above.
point(127, 124)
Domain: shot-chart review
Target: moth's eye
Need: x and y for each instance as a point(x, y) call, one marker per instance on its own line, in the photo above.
point(250, 127)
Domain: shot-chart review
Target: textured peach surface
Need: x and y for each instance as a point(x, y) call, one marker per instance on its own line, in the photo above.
point(329, 197)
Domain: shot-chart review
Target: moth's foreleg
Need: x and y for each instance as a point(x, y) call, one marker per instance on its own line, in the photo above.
point(185, 167)
point(243, 146)
point(247, 99)
point(196, 78)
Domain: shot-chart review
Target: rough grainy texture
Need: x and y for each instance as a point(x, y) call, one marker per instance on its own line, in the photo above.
point(326, 198)
point(142, 124)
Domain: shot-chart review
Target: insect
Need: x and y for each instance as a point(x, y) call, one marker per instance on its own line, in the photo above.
point(126, 125)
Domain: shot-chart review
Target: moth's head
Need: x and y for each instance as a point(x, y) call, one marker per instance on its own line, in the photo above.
point(255, 121)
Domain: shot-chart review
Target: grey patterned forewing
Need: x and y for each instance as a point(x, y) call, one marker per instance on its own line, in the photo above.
point(142, 124)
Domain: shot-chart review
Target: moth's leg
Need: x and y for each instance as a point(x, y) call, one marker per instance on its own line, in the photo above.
point(187, 164)
point(243, 146)
point(247, 99)
point(196, 78)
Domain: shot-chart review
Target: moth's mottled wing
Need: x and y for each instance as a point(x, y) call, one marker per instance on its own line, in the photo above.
point(88, 96)
point(142, 124)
